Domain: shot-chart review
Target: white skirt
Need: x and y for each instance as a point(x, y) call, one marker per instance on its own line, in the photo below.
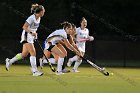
point(27, 37)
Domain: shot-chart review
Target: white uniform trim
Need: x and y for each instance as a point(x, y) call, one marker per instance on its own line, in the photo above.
point(61, 36)
point(81, 34)
point(34, 24)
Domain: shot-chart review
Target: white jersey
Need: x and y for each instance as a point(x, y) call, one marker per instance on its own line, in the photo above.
point(60, 35)
point(33, 24)
point(81, 34)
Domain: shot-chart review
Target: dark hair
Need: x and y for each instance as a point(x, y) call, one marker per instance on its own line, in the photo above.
point(36, 8)
point(83, 18)
point(66, 24)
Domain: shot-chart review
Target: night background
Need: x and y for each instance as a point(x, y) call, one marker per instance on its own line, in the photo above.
point(113, 23)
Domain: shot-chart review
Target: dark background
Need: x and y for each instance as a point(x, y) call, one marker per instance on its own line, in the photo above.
point(113, 23)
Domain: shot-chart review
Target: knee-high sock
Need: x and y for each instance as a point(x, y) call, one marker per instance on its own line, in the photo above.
point(59, 64)
point(33, 63)
point(75, 58)
point(16, 58)
point(77, 64)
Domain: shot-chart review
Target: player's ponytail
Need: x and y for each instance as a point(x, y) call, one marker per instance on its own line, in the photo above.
point(36, 8)
point(66, 25)
point(33, 7)
point(83, 18)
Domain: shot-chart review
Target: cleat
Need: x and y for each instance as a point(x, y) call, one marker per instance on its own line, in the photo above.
point(59, 73)
point(76, 71)
point(7, 66)
point(37, 73)
point(65, 71)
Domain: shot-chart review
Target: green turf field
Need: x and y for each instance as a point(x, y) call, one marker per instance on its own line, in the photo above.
point(20, 80)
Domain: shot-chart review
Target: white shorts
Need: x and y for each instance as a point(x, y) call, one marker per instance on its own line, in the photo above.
point(27, 37)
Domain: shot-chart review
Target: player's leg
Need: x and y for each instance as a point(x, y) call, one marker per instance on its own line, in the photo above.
point(71, 60)
point(55, 59)
point(77, 64)
point(32, 51)
point(61, 55)
point(64, 70)
point(51, 60)
point(17, 57)
point(47, 54)
point(43, 60)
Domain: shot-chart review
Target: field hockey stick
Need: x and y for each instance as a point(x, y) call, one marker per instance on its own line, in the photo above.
point(52, 68)
point(102, 70)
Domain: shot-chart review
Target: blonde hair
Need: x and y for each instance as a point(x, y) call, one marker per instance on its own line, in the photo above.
point(33, 7)
point(66, 24)
point(83, 18)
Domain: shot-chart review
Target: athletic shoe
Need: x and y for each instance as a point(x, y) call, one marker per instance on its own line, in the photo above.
point(59, 73)
point(65, 71)
point(73, 70)
point(41, 62)
point(37, 73)
point(69, 63)
point(7, 64)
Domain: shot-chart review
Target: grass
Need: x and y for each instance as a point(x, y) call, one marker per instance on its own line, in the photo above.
point(20, 80)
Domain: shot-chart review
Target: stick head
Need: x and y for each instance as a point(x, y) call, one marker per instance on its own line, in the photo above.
point(53, 69)
point(106, 74)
